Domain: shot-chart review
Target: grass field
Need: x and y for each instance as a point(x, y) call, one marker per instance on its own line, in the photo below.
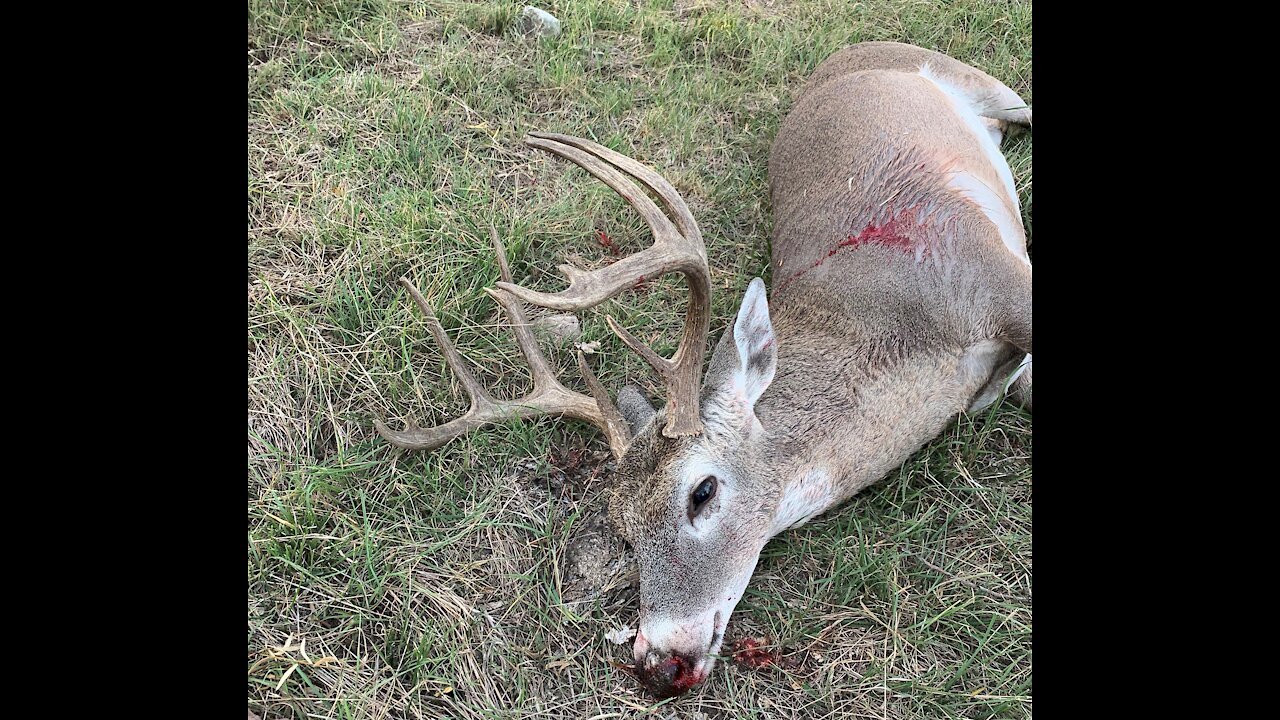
point(384, 139)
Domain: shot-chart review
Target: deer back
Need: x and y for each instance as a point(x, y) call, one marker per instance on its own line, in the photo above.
point(891, 198)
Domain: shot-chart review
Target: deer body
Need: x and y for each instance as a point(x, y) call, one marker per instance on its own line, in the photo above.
point(901, 297)
point(898, 242)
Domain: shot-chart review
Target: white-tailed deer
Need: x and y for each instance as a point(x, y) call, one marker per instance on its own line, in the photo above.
point(901, 297)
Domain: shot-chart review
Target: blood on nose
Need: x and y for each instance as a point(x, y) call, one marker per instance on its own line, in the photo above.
point(672, 675)
point(667, 671)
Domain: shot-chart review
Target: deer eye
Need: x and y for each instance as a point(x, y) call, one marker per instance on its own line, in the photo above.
point(701, 494)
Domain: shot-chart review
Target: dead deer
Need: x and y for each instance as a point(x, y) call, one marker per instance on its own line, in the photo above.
point(902, 297)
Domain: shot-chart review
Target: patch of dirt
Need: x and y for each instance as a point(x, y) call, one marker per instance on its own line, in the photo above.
point(691, 8)
point(570, 473)
point(516, 171)
point(597, 560)
point(764, 8)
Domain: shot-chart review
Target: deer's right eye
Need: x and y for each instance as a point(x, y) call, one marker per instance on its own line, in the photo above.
point(701, 494)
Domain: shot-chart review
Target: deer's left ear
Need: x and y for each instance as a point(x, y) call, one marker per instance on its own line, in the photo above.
point(757, 347)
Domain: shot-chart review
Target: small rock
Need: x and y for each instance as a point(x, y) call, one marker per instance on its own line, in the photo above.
point(539, 22)
point(560, 328)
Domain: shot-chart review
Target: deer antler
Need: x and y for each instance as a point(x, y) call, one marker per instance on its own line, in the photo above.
point(548, 396)
point(676, 247)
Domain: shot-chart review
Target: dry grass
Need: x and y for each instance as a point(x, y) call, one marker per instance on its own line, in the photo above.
point(383, 140)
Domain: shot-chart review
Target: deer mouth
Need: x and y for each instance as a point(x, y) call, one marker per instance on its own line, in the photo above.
point(716, 636)
point(703, 668)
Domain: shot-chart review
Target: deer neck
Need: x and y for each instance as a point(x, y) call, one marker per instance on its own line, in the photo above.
point(853, 397)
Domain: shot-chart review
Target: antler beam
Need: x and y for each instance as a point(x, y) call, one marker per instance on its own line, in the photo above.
point(677, 247)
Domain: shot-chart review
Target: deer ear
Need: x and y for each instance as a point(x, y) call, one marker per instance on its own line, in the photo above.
point(757, 349)
point(635, 408)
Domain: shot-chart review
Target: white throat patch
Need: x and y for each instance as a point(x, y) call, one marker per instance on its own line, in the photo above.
point(802, 499)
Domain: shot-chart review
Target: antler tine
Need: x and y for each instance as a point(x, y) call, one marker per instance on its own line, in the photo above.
point(676, 247)
point(614, 426)
point(538, 365)
point(548, 396)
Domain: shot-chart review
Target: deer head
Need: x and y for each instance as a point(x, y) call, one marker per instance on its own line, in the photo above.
point(698, 509)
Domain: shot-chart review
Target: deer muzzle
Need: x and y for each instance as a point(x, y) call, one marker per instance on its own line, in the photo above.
point(668, 674)
point(679, 657)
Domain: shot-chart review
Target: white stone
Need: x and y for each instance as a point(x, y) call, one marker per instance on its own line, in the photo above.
point(539, 22)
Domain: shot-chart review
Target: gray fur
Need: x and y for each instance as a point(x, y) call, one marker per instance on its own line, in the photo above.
point(635, 408)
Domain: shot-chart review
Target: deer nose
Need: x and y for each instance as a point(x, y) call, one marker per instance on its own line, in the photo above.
point(668, 674)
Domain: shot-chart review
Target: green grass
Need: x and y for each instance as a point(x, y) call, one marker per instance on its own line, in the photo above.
point(385, 140)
